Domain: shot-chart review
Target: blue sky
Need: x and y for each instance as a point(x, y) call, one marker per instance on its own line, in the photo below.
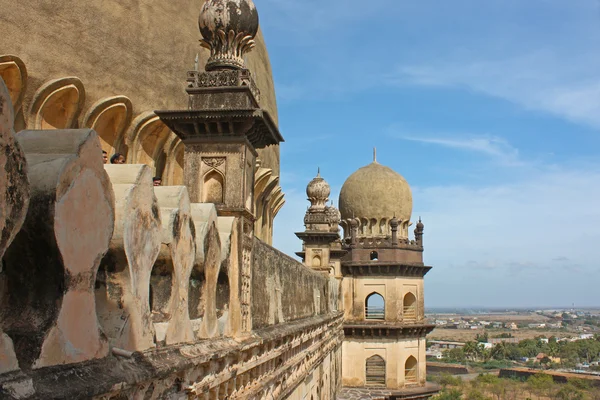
point(491, 111)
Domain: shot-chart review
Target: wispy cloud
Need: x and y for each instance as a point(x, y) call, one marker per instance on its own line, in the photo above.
point(488, 145)
point(545, 80)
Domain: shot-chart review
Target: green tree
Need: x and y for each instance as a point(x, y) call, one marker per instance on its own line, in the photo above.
point(569, 392)
point(449, 394)
point(476, 394)
point(448, 380)
point(541, 384)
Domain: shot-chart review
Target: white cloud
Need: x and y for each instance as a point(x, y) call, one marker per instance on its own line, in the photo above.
point(522, 241)
point(545, 80)
point(527, 243)
point(493, 146)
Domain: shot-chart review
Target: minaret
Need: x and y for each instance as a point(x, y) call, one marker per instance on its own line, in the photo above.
point(223, 127)
point(322, 248)
point(383, 286)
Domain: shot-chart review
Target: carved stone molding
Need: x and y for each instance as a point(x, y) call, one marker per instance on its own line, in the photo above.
point(214, 162)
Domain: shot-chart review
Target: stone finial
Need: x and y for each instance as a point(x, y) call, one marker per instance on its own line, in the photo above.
point(51, 266)
point(318, 191)
point(228, 28)
point(394, 227)
point(14, 201)
point(123, 300)
point(419, 232)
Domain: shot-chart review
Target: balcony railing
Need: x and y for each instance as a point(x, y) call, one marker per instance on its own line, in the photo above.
point(374, 312)
point(409, 313)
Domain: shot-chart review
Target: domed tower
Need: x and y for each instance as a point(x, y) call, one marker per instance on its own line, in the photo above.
point(382, 286)
point(321, 247)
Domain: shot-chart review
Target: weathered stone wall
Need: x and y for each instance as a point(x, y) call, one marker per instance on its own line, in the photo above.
point(115, 289)
point(284, 289)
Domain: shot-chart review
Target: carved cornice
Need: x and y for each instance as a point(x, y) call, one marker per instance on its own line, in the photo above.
point(379, 268)
point(318, 236)
point(396, 331)
point(256, 125)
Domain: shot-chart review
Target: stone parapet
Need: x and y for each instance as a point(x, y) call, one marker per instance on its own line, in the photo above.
point(114, 288)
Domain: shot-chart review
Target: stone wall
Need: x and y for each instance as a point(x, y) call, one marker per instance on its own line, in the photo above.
point(284, 289)
point(112, 288)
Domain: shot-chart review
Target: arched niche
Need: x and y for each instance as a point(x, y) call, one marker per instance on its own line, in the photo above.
point(375, 371)
point(375, 306)
point(146, 139)
point(213, 189)
point(14, 74)
point(316, 261)
point(410, 307)
point(57, 104)
point(173, 174)
point(110, 118)
point(411, 372)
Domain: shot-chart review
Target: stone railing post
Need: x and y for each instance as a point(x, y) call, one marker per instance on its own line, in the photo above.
point(51, 266)
point(178, 253)
point(123, 302)
point(14, 201)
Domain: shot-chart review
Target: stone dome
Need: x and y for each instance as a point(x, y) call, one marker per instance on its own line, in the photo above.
point(374, 195)
point(318, 191)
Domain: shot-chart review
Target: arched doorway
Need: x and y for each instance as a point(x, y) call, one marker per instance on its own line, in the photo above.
point(375, 371)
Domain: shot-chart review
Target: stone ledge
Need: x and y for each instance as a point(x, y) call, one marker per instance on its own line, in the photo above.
point(414, 393)
point(113, 373)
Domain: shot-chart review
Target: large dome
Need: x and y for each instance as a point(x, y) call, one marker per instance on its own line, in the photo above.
point(373, 195)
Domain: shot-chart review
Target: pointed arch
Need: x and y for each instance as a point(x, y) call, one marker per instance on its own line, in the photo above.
point(316, 262)
point(110, 118)
point(411, 371)
point(213, 189)
point(146, 138)
point(410, 307)
point(375, 371)
point(375, 306)
point(175, 150)
point(14, 74)
point(57, 104)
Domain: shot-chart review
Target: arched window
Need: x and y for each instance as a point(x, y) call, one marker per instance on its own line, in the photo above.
point(375, 306)
point(375, 371)
point(410, 371)
point(213, 188)
point(410, 307)
point(374, 256)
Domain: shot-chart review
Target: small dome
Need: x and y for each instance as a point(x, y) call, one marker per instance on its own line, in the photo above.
point(318, 191)
point(228, 28)
point(420, 225)
point(375, 194)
